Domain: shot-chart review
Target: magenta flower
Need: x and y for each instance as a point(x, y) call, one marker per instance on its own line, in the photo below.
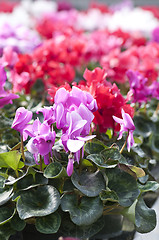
point(65, 101)
point(126, 125)
point(21, 120)
point(5, 97)
point(140, 91)
point(48, 114)
point(42, 141)
point(70, 166)
point(73, 140)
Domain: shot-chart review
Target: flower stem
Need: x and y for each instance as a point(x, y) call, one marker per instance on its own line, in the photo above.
point(17, 174)
point(121, 150)
point(22, 148)
point(41, 163)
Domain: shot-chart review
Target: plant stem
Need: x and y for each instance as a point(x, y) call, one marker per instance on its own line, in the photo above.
point(41, 163)
point(17, 174)
point(121, 150)
point(22, 148)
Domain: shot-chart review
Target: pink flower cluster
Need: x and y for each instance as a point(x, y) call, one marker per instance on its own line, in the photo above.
point(72, 112)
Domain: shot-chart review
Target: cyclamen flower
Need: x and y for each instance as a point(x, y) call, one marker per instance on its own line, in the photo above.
point(126, 125)
point(72, 139)
point(140, 91)
point(5, 97)
point(42, 141)
point(65, 101)
point(73, 113)
point(21, 120)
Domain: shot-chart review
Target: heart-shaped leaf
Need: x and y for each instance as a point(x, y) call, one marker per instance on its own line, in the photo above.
point(124, 185)
point(37, 202)
point(48, 224)
point(54, 170)
point(84, 211)
point(90, 184)
point(149, 186)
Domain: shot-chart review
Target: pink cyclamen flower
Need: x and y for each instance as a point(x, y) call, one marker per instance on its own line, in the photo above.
point(73, 140)
point(21, 120)
point(126, 125)
point(138, 86)
point(5, 97)
point(42, 141)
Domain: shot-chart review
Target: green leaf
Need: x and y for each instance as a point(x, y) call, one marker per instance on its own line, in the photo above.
point(113, 154)
point(55, 170)
point(48, 224)
point(17, 223)
point(6, 213)
point(109, 195)
point(68, 228)
point(149, 186)
point(6, 231)
point(5, 194)
point(108, 158)
point(90, 184)
point(145, 218)
point(37, 202)
point(124, 185)
point(83, 212)
point(31, 181)
point(94, 147)
point(99, 160)
point(10, 159)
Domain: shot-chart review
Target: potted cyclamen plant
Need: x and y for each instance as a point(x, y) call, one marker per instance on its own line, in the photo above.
point(65, 177)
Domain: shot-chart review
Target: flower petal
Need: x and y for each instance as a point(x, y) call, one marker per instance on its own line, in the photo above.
point(74, 145)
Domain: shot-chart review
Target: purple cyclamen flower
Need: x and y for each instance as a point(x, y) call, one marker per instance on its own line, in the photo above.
point(138, 86)
point(65, 101)
point(21, 120)
point(5, 97)
point(42, 141)
point(70, 166)
point(126, 125)
point(48, 114)
point(73, 140)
